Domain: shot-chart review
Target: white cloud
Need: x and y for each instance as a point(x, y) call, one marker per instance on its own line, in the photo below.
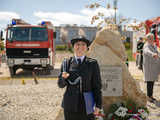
point(63, 18)
point(106, 12)
point(6, 16)
point(83, 18)
point(57, 18)
point(90, 13)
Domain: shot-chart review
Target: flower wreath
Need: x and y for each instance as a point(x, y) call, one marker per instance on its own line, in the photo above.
point(127, 110)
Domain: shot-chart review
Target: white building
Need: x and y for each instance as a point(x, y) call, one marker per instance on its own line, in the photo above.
point(65, 33)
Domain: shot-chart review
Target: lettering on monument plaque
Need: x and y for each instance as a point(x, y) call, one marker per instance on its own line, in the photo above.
point(111, 80)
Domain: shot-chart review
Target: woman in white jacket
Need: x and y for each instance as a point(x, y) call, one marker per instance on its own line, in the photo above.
point(150, 65)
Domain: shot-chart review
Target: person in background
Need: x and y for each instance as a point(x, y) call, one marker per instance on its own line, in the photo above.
point(140, 45)
point(81, 76)
point(150, 65)
point(127, 63)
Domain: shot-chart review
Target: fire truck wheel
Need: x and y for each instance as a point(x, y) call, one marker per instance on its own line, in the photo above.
point(12, 71)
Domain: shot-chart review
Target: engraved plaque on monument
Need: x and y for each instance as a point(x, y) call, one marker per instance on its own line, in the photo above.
point(111, 80)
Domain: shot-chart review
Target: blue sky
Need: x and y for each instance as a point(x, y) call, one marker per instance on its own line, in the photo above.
point(72, 11)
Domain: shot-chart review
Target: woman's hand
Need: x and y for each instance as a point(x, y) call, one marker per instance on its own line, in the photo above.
point(96, 112)
point(65, 75)
point(155, 55)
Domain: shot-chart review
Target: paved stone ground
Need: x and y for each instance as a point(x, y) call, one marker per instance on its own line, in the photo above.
point(154, 108)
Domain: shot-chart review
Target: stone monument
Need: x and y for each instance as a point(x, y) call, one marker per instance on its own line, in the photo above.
point(117, 82)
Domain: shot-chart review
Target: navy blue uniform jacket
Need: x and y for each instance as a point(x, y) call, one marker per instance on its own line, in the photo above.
point(73, 100)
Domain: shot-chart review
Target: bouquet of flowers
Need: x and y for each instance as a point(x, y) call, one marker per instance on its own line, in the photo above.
point(127, 110)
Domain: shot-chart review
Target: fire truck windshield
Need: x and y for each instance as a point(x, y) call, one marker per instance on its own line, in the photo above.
point(27, 34)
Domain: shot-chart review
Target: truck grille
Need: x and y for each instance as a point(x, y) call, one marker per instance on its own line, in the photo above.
point(27, 52)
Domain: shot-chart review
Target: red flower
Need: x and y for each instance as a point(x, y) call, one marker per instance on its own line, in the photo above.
point(112, 117)
point(138, 113)
point(130, 111)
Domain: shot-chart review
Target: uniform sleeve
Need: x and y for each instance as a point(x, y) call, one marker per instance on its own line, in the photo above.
point(147, 51)
point(96, 77)
point(61, 81)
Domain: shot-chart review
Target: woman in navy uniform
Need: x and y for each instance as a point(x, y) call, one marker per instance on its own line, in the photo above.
point(82, 75)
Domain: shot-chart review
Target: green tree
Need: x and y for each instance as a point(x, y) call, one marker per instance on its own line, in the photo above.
point(1, 41)
point(1, 45)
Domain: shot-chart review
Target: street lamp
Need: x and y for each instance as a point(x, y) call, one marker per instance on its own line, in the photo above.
point(115, 8)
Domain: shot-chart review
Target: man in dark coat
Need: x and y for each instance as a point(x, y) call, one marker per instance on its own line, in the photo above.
point(81, 76)
point(140, 45)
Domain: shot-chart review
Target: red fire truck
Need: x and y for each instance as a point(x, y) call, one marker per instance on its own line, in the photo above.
point(153, 26)
point(29, 46)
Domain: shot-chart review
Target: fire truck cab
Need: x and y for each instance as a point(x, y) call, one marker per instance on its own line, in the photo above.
point(153, 26)
point(29, 46)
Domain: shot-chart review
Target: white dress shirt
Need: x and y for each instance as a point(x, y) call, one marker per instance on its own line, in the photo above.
point(81, 57)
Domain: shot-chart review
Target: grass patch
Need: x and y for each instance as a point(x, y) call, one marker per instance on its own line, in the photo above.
point(130, 56)
point(61, 47)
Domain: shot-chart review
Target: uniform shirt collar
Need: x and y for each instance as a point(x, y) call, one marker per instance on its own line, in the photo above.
point(81, 57)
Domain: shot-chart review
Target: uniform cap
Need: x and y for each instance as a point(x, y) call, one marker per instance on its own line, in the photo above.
point(73, 41)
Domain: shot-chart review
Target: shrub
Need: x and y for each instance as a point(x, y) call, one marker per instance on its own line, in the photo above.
point(61, 47)
point(127, 45)
point(130, 55)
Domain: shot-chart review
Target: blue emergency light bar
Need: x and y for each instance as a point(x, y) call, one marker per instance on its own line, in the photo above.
point(13, 22)
point(43, 23)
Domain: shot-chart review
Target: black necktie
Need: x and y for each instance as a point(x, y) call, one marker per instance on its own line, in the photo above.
point(79, 61)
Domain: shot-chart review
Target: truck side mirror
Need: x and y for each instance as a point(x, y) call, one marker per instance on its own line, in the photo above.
point(54, 34)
